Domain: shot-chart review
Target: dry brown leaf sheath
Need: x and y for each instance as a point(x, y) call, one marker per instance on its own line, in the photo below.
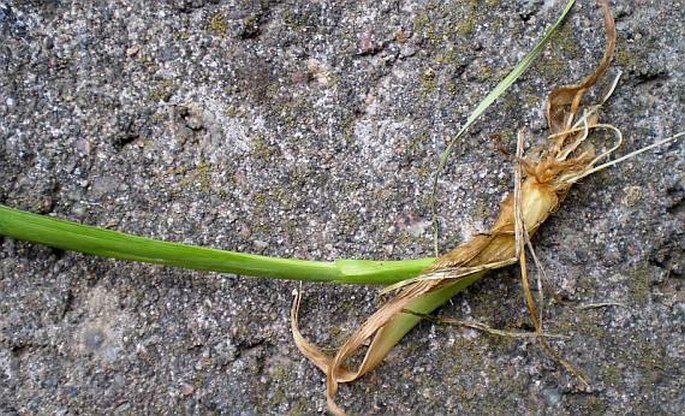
point(545, 179)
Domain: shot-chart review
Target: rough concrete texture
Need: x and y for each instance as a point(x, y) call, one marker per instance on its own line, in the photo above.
point(311, 129)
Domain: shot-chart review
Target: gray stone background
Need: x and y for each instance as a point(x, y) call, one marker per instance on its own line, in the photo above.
point(311, 129)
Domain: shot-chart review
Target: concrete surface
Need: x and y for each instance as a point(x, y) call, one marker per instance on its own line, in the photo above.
point(312, 129)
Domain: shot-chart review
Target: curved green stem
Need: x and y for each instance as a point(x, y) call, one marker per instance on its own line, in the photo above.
point(72, 236)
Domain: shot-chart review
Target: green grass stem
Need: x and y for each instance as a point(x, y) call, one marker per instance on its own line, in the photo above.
point(72, 236)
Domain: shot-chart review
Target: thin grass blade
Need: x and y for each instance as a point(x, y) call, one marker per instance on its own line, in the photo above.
point(492, 96)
